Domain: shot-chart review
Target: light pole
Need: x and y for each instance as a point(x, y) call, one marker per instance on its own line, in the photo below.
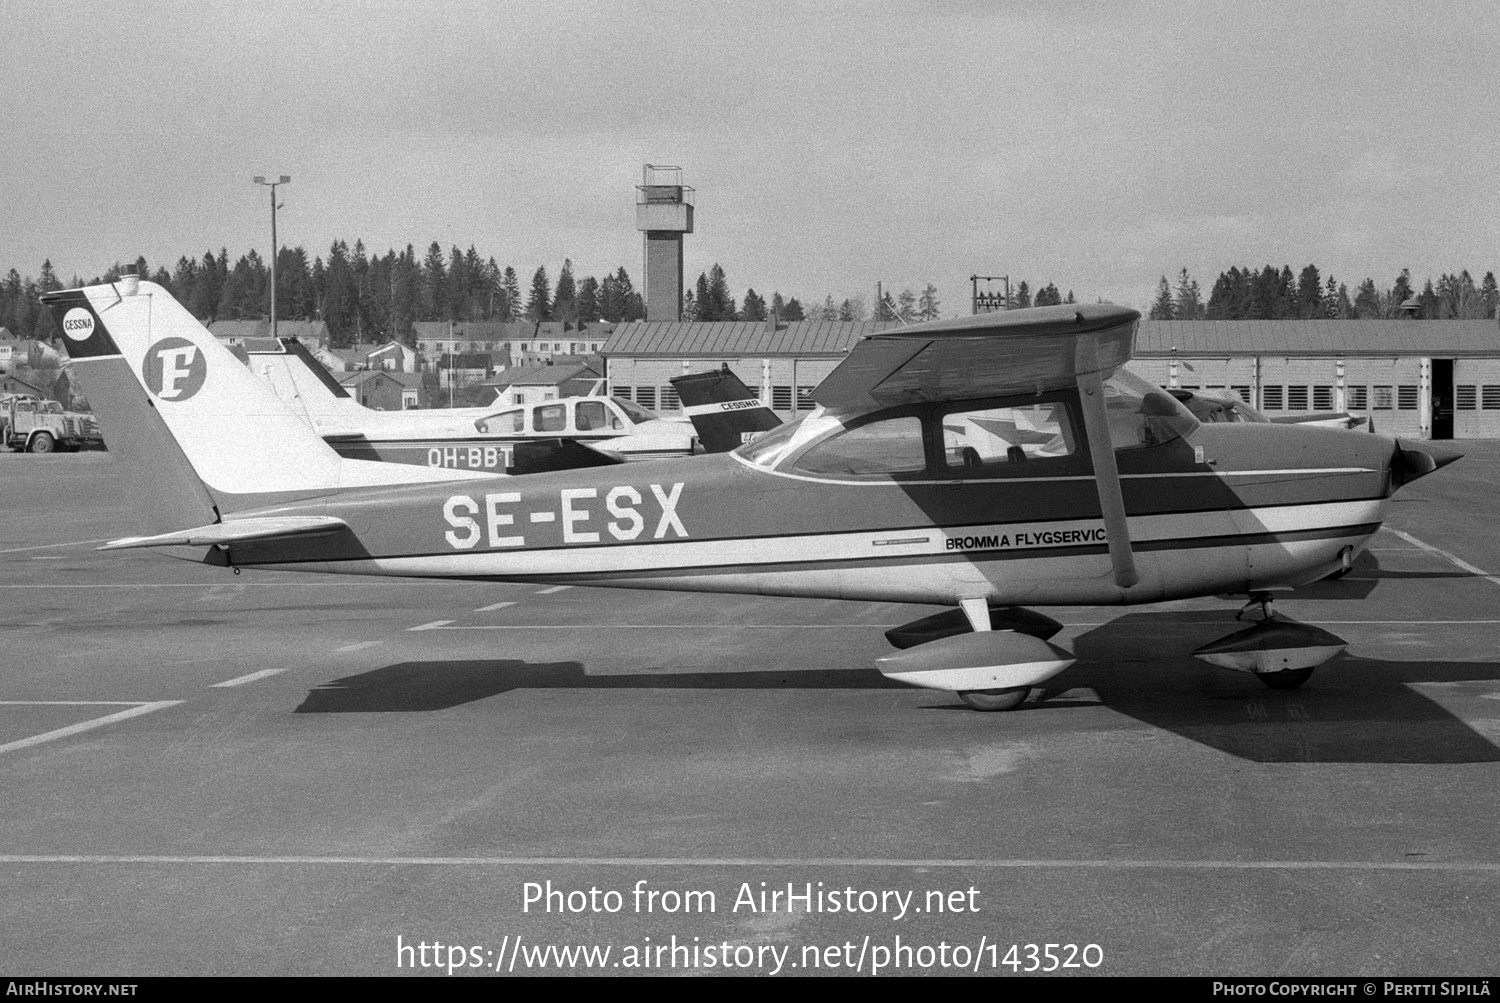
point(283, 180)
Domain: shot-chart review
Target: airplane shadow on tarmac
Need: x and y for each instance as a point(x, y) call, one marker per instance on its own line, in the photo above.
point(1353, 710)
point(428, 686)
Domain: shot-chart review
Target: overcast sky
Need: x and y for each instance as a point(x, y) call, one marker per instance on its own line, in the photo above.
point(832, 145)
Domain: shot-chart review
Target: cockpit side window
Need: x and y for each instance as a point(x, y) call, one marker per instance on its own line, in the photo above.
point(592, 417)
point(876, 448)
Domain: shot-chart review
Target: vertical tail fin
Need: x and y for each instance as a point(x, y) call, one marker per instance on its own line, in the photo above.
point(300, 380)
point(244, 446)
point(723, 411)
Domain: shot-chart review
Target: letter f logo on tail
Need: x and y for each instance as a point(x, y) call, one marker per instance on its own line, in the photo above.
point(174, 369)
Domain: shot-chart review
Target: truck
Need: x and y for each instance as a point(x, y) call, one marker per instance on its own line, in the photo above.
point(28, 424)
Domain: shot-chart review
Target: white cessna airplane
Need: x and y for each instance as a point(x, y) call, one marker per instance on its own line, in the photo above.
point(483, 438)
point(978, 464)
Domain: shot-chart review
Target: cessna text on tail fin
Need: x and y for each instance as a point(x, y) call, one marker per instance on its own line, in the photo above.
point(724, 412)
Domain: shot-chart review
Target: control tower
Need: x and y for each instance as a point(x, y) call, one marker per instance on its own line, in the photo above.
point(663, 212)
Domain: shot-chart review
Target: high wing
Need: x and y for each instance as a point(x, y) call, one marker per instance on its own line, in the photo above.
point(995, 355)
point(987, 355)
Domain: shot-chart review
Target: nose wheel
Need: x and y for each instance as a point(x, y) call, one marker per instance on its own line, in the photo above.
point(1006, 699)
point(1281, 653)
point(1286, 679)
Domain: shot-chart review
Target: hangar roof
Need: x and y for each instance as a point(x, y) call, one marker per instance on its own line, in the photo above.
point(1156, 338)
point(733, 339)
point(1317, 338)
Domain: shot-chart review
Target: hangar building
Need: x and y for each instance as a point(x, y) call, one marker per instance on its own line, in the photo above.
point(783, 360)
point(1436, 379)
point(1430, 379)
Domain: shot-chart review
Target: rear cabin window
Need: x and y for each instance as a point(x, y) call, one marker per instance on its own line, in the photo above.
point(998, 435)
point(892, 446)
point(551, 418)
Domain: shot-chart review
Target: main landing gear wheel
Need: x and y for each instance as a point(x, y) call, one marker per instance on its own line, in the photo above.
point(1287, 679)
point(1008, 699)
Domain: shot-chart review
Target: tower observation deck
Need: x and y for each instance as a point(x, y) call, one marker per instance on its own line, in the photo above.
point(663, 213)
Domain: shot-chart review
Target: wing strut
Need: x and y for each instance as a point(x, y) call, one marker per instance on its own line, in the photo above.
point(1106, 474)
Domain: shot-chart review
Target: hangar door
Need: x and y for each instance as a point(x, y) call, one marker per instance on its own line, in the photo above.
point(1476, 398)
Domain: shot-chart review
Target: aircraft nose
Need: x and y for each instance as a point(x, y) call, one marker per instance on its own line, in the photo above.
point(1410, 462)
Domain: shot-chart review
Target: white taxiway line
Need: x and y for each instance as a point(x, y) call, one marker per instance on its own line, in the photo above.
point(1016, 864)
point(359, 645)
point(1450, 558)
point(51, 546)
point(445, 625)
point(135, 709)
point(493, 606)
point(205, 585)
point(252, 677)
point(555, 588)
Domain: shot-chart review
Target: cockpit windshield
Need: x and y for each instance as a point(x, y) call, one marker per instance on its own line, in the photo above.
point(1142, 414)
point(767, 450)
point(633, 411)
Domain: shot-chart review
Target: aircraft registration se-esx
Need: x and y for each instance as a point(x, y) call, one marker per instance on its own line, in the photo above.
point(980, 463)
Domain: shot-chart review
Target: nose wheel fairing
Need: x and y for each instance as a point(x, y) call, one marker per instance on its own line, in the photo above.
point(1281, 653)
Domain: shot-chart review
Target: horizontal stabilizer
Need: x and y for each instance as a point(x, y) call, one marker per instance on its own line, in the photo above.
point(540, 456)
point(236, 531)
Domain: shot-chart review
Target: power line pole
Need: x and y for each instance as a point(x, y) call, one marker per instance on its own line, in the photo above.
point(283, 180)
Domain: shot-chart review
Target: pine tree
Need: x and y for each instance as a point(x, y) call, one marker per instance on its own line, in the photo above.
point(1488, 291)
point(792, 311)
point(830, 309)
point(906, 306)
point(341, 297)
point(539, 304)
point(1367, 301)
point(588, 300)
point(434, 303)
point(459, 279)
point(1427, 303)
point(1188, 304)
point(701, 306)
point(721, 302)
point(1309, 295)
point(1402, 290)
point(1161, 308)
point(407, 295)
point(927, 305)
point(565, 297)
point(512, 286)
point(755, 307)
point(1048, 296)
